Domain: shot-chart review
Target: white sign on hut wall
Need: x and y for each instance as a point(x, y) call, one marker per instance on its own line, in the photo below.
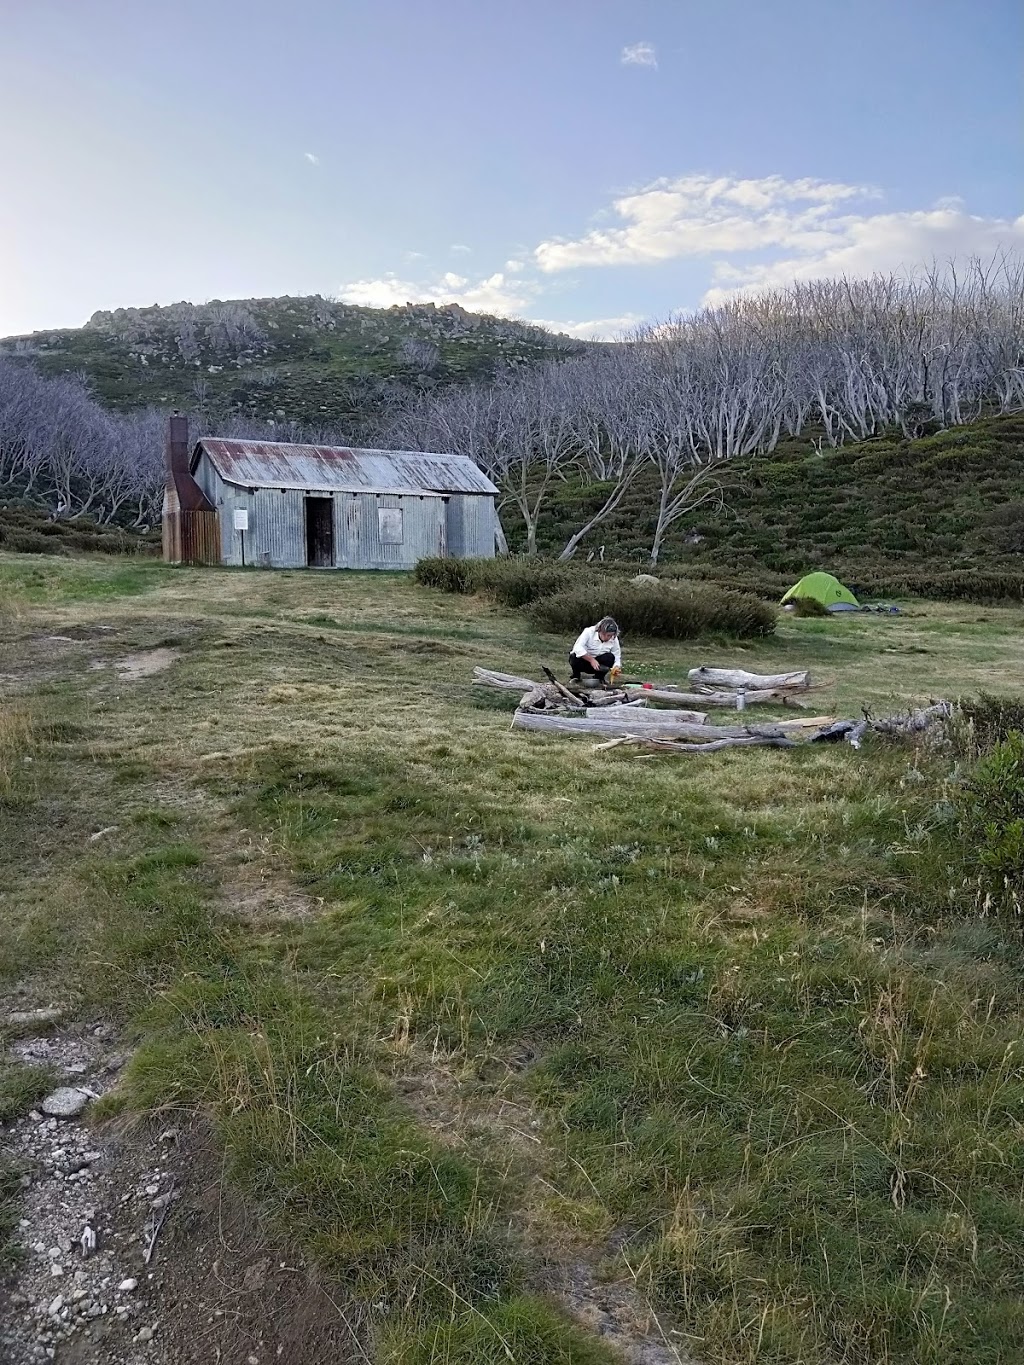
point(241, 519)
point(389, 525)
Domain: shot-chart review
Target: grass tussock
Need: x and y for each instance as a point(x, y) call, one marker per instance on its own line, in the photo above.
point(16, 736)
point(992, 823)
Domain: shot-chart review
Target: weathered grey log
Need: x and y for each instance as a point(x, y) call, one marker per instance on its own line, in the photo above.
point(535, 699)
point(855, 735)
point(664, 746)
point(610, 699)
point(624, 720)
point(736, 678)
point(508, 682)
point(907, 723)
point(605, 723)
point(666, 696)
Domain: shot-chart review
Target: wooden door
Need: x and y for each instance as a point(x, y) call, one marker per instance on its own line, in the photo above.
point(320, 533)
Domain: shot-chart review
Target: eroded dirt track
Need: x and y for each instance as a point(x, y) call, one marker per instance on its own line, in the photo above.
point(216, 1286)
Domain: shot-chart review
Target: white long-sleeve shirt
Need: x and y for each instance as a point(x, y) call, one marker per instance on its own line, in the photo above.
point(591, 643)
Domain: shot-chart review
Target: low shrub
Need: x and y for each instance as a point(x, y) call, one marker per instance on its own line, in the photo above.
point(519, 582)
point(449, 575)
point(958, 585)
point(808, 606)
point(986, 721)
point(563, 598)
point(27, 530)
point(511, 582)
point(992, 824)
point(677, 613)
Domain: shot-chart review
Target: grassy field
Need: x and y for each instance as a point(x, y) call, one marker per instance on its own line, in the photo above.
point(483, 1017)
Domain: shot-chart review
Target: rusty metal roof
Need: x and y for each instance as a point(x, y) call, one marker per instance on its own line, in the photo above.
point(279, 464)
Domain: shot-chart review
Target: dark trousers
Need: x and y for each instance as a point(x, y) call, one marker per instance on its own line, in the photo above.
point(581, 666)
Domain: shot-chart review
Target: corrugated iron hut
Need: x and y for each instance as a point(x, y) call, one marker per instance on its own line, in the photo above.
point(191, 527)
point(290, 506)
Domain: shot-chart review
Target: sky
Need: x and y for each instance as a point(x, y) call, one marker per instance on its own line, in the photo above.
point(588, 164)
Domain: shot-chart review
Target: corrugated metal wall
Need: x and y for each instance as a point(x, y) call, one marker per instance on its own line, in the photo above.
point(358, 543)
point(276, 538)
point(471, 526)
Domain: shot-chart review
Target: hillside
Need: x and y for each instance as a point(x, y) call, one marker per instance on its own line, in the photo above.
point(307, 359)
point(947, 503)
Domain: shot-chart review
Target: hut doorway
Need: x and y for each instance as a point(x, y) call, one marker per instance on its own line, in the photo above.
point(320, 533)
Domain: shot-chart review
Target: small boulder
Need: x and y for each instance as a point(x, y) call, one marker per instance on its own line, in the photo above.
point(66, 1102)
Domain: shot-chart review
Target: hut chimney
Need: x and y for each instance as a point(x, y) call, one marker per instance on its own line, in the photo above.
point(177, 448)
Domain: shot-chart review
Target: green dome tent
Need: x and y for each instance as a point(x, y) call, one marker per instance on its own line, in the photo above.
point(824, 589)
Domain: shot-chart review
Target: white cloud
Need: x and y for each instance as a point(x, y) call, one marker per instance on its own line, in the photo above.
point(700, 215)
point(798, 229)
point(312, 158)
point(639, 54)
point(460, 247)
point(493, 294)
point(599, 329)
point(752, 234)
point(880, 242)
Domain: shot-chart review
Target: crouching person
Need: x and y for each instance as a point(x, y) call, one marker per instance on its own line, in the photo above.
point(597, 652)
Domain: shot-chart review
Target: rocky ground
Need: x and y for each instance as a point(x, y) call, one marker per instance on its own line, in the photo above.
point(129, 1251)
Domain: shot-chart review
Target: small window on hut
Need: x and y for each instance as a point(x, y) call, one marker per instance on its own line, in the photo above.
point(389, 525)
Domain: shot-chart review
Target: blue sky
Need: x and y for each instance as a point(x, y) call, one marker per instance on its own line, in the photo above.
point(582, 162)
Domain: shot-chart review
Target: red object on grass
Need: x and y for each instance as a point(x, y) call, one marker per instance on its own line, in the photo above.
point(647, 685)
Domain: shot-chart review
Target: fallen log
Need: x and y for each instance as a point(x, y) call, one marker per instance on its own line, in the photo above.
point(687, 725)
point(714, 746)
point(508, 682)
point(667, 696)
point(605, 722)
point(737, 679)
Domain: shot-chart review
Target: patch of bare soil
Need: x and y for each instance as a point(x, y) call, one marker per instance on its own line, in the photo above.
point(133, 667)
point(251, 885)
point(134, 1252)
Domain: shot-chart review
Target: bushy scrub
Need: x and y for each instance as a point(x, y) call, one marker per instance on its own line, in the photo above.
point(449, 575)
point(30, 531)
point(510, 582)
point(517, 582)
point(808, 606)
point(985, 721)
point(561, 598)
point(992, 823)
point(681, 613)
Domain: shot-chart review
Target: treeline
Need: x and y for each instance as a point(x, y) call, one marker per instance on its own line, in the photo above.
point(64, 453)
point(830, 361)
point(827, 361)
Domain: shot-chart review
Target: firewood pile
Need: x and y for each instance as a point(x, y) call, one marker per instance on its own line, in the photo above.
point(659, 720)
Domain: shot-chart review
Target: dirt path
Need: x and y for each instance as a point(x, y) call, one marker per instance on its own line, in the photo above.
point(216, 1286)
